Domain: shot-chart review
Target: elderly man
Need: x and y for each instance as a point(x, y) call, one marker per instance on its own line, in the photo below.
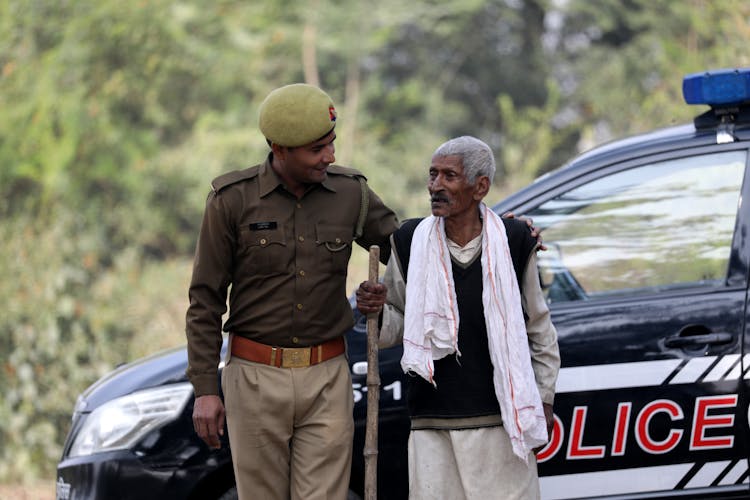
point(462, 292)
point(281, 234)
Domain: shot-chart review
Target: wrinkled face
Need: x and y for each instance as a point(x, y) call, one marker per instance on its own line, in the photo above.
point(450, 192)
point(308, 164)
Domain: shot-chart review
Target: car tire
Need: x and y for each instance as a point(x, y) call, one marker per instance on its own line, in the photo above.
point(230, 494)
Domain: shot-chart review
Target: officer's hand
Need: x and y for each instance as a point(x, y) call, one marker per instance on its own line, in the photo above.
point(208, 419)
point(534, 231)
point(371, 297)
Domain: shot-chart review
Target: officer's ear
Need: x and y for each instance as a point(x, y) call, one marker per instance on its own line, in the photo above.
point(279, 152)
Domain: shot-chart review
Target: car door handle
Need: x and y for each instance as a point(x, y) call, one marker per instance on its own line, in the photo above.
point(698, 340)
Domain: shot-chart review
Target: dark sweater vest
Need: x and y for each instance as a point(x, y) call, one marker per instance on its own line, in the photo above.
point(464, 384)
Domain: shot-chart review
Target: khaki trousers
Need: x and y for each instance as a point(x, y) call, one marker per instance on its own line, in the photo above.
point(290, 429)
point(470, 464)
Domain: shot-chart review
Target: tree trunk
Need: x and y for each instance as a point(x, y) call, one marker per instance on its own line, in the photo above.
point(309, 40)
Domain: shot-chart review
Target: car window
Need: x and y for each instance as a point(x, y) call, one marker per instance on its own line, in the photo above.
point(662, 225)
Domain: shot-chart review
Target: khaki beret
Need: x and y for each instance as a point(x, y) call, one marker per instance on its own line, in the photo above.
point(297, 114)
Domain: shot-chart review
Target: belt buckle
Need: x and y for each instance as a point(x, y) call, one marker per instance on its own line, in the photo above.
point(295, 357)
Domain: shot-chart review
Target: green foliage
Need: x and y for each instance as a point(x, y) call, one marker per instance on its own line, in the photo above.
point(626, 59)
point(50, 335)
point(70, 319)
point(116, 116)
point(533, 143)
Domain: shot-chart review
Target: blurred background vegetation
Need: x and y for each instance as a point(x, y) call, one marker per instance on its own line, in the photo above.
point(115, 116)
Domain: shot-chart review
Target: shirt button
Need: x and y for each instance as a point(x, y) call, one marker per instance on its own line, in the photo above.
point(299, 306)
point(338, 240)
point(301, 238)
point(302, 273)
point(295, 340)
point(263, 241)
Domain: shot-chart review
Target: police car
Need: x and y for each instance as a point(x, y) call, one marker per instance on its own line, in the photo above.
point(646, 274)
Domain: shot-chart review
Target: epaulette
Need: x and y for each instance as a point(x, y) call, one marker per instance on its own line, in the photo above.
point(233, 177)
point(364, 204)
point(348, 171)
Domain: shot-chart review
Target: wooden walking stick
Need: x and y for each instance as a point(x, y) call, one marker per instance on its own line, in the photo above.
point(373, 390)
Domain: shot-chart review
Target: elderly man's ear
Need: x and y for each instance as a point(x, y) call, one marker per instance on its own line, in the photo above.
point(481, 188)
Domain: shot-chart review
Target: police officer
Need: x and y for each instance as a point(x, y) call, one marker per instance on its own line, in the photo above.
point(281, 233)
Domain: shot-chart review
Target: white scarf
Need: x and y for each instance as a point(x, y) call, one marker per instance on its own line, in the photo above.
point(431, 323)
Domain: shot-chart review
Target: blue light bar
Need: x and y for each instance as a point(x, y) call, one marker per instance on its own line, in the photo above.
point(719, 87)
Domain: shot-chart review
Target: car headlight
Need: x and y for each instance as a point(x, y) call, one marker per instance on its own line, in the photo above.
point(120, 423)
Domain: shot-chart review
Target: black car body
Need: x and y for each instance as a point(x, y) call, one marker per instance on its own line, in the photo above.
point(647, 278)
point(170, 462)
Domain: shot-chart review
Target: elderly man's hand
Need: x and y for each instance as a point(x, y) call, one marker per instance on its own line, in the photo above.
point(549, 417)
point(534, 231)
point(371, 297)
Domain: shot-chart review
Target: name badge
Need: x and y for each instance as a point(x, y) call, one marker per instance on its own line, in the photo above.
point(262, 226)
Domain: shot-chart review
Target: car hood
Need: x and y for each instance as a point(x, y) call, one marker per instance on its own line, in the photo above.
point(165, 367)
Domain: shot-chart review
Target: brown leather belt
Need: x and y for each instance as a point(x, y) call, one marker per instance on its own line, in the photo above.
point(286, 357)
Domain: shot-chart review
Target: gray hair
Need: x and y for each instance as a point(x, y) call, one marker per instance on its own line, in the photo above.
point(476, 156)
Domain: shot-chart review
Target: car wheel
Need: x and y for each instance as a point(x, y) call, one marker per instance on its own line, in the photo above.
point(230, 494)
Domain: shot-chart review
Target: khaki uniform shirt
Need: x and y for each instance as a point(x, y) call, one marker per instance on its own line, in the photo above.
point(285, 258)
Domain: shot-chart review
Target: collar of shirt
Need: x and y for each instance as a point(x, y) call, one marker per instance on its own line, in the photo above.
point(466, 253)
point(269, 180)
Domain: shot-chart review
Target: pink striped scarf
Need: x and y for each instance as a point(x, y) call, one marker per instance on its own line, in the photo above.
point(431, 324)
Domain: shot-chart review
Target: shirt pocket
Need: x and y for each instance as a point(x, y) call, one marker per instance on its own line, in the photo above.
point(263, 252)
point(334, 247)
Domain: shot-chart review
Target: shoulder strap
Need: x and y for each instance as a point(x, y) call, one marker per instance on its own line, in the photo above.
point(348, 171)
point(233, 177)
point(364, 205)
